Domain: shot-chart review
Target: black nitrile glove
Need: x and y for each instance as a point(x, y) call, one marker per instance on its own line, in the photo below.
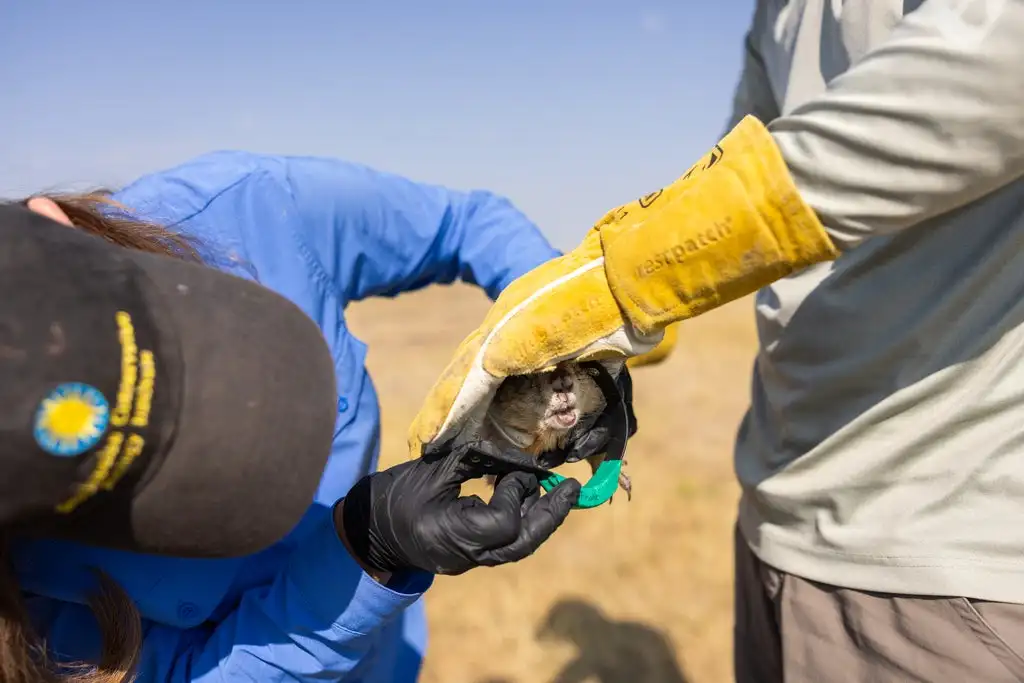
point(610, 429)
point(411, 516)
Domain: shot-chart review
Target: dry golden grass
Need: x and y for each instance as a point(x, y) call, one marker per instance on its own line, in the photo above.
point(637, 592)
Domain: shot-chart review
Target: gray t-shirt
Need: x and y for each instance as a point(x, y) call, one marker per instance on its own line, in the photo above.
point(884, 446)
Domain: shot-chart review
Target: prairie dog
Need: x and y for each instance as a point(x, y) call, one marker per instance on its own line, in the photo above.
point(538, 413)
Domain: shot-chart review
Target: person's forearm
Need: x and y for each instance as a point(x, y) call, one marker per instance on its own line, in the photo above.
point(927, 122)
point(492, 241)
point(317, 620)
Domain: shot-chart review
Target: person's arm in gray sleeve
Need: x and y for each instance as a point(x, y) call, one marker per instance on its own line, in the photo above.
point(753, 93)
point(928, 121)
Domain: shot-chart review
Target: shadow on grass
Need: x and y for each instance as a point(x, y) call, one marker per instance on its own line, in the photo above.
point(607, 651)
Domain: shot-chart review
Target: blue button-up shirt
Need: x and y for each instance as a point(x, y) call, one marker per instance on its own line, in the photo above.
point(323, 233)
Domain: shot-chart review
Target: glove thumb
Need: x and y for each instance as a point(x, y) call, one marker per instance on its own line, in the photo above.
point(542, 519)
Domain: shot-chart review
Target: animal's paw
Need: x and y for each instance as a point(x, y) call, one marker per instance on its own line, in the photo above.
point(626, 484)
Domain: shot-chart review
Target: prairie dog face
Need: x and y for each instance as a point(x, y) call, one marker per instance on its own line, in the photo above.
point(536, 413)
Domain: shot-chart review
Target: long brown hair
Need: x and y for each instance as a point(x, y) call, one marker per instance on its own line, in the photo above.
point(96, 212)
point(23, 652)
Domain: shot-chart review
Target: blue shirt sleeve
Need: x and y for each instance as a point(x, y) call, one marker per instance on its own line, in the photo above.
point(315, 622)
point(379, 234)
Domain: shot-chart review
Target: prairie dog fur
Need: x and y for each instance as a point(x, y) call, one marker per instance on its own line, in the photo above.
point(538, 413)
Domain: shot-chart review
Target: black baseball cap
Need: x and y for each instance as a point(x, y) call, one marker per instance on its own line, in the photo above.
point(152, 404)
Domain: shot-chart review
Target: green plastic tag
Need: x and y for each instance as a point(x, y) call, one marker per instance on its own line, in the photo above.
point(598, 490)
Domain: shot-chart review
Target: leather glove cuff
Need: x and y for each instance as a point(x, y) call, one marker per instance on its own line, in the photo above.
point(733, 224)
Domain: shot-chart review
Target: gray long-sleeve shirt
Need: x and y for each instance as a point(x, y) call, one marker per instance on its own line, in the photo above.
point(884, 446)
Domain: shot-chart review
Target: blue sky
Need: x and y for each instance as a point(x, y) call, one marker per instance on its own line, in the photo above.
point(568, 107)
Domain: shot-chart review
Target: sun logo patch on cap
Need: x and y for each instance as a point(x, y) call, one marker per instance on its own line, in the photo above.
point(71, 419)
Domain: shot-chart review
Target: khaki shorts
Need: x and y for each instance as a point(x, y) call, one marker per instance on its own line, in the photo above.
point(790, 630)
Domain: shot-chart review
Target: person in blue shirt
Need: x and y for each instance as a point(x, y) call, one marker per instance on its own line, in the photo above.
point(338, 598)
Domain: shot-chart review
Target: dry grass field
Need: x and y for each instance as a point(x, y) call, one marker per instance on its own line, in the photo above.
point(634, 592)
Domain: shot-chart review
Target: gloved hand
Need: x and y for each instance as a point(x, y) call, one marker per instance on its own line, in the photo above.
point(411, 516)
point(732, 224)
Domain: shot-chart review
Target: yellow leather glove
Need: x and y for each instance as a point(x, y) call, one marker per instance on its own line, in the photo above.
point(732, 224)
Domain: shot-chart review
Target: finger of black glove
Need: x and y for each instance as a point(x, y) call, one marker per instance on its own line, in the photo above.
point(591, 443)
point(527, 501)
point(609, 433)
point(498, 523)
point(541, 521)
point(513, 490)
point(530, 501)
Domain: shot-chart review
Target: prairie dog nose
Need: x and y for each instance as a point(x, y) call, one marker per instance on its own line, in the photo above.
point(561, 380)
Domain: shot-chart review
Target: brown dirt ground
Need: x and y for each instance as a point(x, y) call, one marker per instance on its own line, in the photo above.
point(633, 592)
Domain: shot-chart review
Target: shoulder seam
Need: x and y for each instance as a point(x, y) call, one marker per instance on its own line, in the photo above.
point(210, 200)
